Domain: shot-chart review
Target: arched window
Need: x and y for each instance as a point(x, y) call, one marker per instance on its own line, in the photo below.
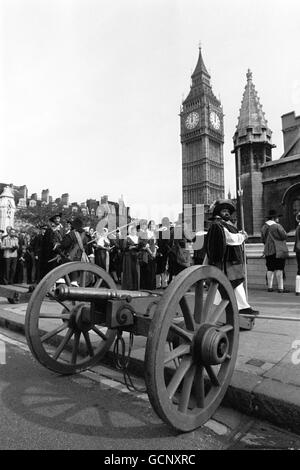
point(296, 205)
point(291, 200)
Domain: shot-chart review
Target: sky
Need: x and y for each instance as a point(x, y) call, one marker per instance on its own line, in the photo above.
point(90, 90)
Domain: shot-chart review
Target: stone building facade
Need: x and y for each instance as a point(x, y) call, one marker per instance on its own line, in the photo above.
point(281, 178)
point(263, 183)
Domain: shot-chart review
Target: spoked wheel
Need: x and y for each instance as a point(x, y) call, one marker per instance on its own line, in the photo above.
point(67, 336)
point(192, 347)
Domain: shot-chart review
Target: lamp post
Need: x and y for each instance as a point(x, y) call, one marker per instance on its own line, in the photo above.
point(241, 211)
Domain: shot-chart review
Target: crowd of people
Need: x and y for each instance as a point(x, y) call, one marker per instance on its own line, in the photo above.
point(142, 255)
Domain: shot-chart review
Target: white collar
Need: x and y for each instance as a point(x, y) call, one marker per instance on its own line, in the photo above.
point(134, 238)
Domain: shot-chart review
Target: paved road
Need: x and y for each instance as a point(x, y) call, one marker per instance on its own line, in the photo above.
point(94, 410)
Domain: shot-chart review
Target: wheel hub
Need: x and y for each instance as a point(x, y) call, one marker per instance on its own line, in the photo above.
point(81, 319)
point(210, 346)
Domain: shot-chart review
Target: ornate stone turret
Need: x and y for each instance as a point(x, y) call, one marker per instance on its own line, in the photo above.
point(252, 147)
point(7, 208)
point(252, 124)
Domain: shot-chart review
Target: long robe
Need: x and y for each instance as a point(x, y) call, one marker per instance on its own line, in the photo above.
point(48, 253)
point(130, 280)
point(227, 258)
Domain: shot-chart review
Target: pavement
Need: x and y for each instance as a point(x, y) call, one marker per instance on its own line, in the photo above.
point(266, 379)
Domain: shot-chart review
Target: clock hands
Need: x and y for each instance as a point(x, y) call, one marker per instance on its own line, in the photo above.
point(192, 120)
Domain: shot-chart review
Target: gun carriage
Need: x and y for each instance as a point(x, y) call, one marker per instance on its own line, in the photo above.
point(191, 344)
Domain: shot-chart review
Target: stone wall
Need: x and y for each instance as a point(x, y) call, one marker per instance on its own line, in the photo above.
point(256, 267)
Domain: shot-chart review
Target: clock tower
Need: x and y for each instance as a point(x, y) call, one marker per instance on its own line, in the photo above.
point(202, 138)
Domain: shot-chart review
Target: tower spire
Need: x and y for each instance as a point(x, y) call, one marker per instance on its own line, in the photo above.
point(252, 120)
point(200, 67)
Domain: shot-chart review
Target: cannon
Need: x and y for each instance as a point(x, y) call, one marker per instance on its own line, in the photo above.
point(191, 343)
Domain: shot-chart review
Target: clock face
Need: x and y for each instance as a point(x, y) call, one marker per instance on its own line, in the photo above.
point(214, 120)
point(192, 120)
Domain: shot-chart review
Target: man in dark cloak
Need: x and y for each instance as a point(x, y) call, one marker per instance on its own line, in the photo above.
point(224, 250)
point(49, 245)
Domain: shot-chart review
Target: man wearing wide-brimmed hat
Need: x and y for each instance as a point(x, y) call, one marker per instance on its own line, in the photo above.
point(50, 243)
point(224, 250)
point(274, 238)
point(72, 248)
point(56, 218)
point(74, 242)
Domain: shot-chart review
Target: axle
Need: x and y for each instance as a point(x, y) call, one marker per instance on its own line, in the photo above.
point(64, 292)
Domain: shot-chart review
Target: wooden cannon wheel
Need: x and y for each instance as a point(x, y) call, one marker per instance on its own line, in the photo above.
point(64, 336)
point(192, 347)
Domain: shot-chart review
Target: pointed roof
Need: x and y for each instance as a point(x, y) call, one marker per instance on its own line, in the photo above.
point(252, 124)
point(200, 67)
point(251, 113)
point(200, 83)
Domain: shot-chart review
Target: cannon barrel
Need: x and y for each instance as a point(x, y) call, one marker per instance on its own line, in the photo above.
point(64, 292)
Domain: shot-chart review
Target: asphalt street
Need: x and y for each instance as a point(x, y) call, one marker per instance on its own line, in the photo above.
point(41, 410)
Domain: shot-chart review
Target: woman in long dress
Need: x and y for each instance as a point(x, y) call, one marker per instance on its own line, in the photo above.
point(102, 250)
point(130, 278)
point(148, 248)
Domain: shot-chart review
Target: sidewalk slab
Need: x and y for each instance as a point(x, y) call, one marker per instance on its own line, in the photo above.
point(265, 383)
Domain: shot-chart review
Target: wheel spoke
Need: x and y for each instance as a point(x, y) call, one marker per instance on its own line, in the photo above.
point(61, 316)
point(98, 282)
point(178, 376)
point(52, 333)
point(67, 279)
point(88, 343)
point(198, 307)
point(209, 301)
point(199, 387)
point(212, 375)
point(176, 360)
point(63, 343)
point(186, 389)
point(181, 332)
point(218, 311)
point(75, 347)
point(82, 281)
point(99, 333)
point(181, 350)
point(187, 314)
